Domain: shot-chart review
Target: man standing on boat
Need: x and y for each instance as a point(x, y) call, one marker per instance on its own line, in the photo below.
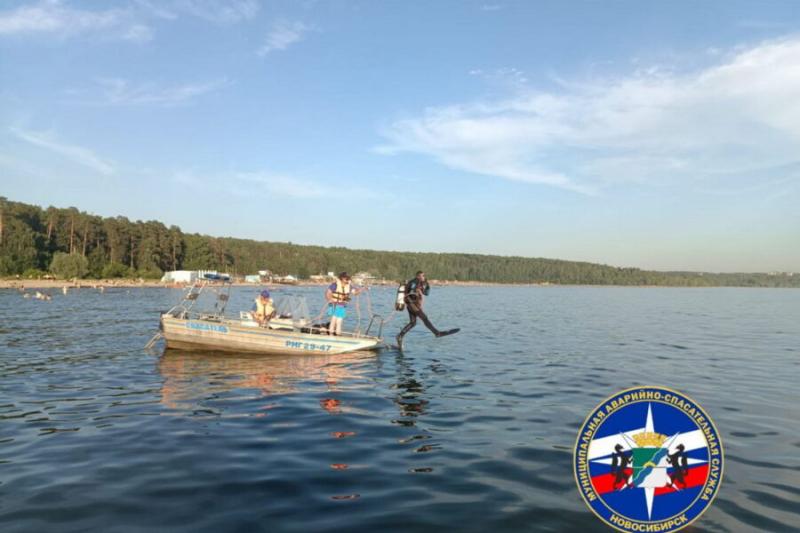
point(337, 295)
point(415, 291)
point(264, 308)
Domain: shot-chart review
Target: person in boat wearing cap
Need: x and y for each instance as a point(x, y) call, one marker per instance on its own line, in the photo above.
point(416, 290)
point(337, 295)
point(264, 308)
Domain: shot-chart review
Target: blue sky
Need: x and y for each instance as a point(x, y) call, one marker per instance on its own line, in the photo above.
point(662, 135)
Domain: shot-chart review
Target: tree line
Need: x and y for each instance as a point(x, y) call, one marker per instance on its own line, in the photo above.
point(72, 243)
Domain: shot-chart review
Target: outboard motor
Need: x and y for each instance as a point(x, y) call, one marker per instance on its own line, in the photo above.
point(400, 301)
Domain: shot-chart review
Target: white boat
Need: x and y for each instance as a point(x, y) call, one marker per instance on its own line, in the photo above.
point(291, 332)
point(242, 336)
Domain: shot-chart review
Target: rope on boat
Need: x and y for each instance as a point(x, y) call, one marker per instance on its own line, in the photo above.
point(384, 322)
point(322, 312)
point(369, 303)
point(388, 318)
point(358, 313)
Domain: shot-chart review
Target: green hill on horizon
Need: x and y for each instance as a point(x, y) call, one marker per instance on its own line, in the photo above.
point(35, 239)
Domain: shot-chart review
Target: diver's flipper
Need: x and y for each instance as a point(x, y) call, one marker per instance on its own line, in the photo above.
point(448, 332)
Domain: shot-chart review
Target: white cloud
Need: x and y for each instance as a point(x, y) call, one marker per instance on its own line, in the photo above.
point(267, 184)
point(131, 22)
point(138, 33)
point(739, 119)
point(78, 154)
point(221, 11)
point(118, 91)
point(282, 35)
point(216, 11)
point(156, 8)
point(128, 23)
point(56, 17)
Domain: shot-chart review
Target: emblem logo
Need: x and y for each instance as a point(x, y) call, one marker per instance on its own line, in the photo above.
point(648, 459)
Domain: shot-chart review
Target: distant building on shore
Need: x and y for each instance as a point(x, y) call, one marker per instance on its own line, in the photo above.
point(186, 276)
point(179, 276)
point(362, 278)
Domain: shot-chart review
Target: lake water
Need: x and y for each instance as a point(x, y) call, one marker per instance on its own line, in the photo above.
point(473, 432)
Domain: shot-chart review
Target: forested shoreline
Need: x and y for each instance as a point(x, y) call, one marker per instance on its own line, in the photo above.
point(35, 241)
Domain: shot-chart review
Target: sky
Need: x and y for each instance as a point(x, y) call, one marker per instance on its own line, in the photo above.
point(660, 135)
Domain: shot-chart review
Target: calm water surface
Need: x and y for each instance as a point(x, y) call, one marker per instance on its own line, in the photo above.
point(473, 431)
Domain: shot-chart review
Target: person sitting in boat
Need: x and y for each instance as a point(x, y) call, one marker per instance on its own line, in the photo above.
point(264, 308)
point(337, 295)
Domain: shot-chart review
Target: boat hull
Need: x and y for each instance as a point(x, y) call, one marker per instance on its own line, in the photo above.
point(232, 336)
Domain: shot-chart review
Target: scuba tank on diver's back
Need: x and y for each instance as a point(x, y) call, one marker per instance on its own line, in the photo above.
point(400, 301)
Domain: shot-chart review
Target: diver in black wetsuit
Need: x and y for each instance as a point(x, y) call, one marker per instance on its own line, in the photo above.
point(416, 290)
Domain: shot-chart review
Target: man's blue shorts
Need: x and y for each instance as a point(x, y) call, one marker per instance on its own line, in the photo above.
point(337, 310)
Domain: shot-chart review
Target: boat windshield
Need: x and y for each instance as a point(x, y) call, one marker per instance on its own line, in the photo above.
point(293, 308)
point(206, 299)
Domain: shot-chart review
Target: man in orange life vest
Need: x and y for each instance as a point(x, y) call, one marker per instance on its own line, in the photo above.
point(337, 296)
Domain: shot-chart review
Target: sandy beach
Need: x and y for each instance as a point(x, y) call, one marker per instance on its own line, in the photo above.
point(11, 283)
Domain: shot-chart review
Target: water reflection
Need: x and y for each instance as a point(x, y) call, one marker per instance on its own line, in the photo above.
point(190, 377)
point(409, 392)
point(410, 398)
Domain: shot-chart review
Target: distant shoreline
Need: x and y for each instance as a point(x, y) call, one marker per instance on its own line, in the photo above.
point(11, 283)
point(151, 248)
point(128, 283)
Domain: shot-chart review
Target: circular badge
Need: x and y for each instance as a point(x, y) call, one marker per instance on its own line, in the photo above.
point(648, 459)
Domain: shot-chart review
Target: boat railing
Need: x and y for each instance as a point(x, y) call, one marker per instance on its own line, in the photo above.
point(380, 321)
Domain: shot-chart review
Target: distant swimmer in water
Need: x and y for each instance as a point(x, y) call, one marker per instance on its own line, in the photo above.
point(416, 290)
